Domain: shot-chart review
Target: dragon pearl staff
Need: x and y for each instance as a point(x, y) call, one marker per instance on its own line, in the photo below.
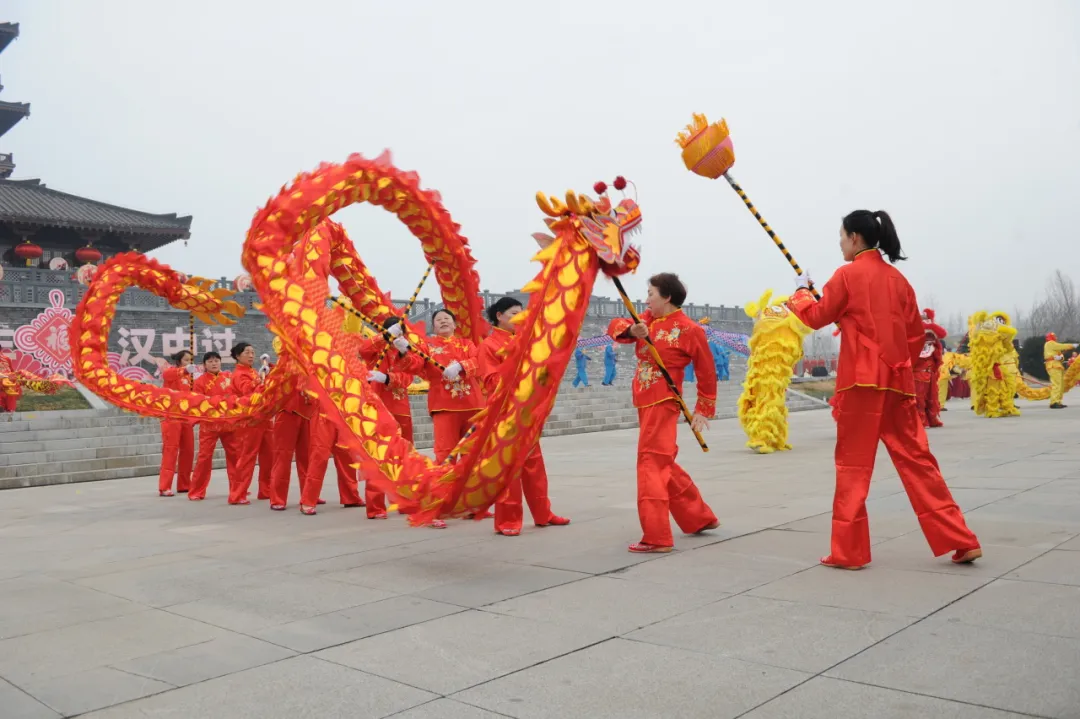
point(707, 150)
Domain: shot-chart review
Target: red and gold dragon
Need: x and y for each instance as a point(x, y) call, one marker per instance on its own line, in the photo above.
point(291, 250)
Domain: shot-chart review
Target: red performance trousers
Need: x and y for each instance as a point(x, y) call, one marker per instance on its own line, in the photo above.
point(376, 501)
point(925, 403)
point(290, 438)
point(662, 485)
point(323, 444)
point(255, 444)
point(533, 482)
point(449, 427)
point(864, 417)
point(208, 439)
point(177, 455)
point(10, 401)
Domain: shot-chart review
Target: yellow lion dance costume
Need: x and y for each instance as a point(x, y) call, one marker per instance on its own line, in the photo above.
point(775, 346)
point(994, 373)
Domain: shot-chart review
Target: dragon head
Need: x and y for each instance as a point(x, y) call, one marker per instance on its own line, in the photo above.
point(606, 229)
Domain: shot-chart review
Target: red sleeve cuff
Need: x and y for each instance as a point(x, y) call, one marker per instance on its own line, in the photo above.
point(706, 407)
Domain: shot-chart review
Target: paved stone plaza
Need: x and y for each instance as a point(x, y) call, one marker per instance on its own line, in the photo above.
point(115, 604)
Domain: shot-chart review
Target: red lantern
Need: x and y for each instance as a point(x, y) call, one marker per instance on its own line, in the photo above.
point(87, 255)
point(28, 251)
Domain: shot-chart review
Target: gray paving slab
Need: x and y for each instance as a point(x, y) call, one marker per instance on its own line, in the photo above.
point(893, 591)
point(347, 625)
point(81, 647)
point(111, 593)
point(588, 604)
point(36, 603)
point(1057, 567)
point(92, 689)
point(298, 687)
point(640, 681)
point(187, 665)
point(1033, 607)
point(447, 709)
point(18, 704)
point(825, 698)
point(461, 650)
point(794, 635)
point(948, 659)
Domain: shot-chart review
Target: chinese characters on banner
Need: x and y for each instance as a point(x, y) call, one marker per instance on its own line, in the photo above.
point(45, 341)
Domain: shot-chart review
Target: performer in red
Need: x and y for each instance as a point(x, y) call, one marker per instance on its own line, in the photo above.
point(391, 380)
point(509, 514)
point(664, 486)
point(291, 437)
point(256, 439)
point(881, 337)
point(177, 436)
point(10, 389)
point(455, 394)
point(213, 382)
point(324, 443)
point(927, 368)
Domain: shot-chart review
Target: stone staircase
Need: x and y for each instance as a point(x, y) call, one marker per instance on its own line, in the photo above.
point(83, 445)
point(43, 448)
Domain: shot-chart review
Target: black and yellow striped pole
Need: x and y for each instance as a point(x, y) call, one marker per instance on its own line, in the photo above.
point(408, 308)
point(386, 335)
point(660, 365)
point(707, 150)
point(191, 333)
point(768, 230)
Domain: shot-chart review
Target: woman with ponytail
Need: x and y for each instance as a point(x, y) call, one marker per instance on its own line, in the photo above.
point(882, 335)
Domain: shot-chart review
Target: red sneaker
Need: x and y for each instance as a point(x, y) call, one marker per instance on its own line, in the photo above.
point(555, 521)
point(711, 525)
point(378, 515)
point(242, 501)
point(277, 507)
point(304, 509)
point(508, 532)
point(966, 556)
point(830, 562)
point(166, 493)
point(322, 501)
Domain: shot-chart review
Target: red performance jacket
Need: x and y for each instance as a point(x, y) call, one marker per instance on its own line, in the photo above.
point(465, 394)
point(680, 341)
point(398, 367)
point(881, 332)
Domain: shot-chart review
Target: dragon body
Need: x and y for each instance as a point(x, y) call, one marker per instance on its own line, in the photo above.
point(293, 248)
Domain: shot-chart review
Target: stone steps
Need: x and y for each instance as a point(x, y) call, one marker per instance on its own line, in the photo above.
point(41, 448)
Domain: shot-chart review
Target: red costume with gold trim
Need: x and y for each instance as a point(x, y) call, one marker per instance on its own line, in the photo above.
point(400, 370)
point(881, 336)
point(532, 481)
point(10, 387)
point(209, 434)
point(452, 403)
point(927, 368)
point(325, 442)
point(663, 486)
point(177, 438)
point(256, 441)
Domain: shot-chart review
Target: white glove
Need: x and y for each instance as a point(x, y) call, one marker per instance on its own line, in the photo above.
point(395, 331)
point(802, 282)
point(402, 344)
point(452, 371)
point(379, 377)
point(190, 369)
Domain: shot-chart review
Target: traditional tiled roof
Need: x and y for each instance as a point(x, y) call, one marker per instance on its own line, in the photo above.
point(8, 32)
point(31, 203)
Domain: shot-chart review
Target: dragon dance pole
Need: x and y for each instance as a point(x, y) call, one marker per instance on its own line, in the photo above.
point(408, 308)
point(191, 333)
point(707, 150)
point(386, 335)
point(660, 365)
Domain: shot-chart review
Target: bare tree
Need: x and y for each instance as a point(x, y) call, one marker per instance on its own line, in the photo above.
point(1059, 310)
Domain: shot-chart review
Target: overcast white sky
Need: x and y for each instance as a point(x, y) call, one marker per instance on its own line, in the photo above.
point(960, 118)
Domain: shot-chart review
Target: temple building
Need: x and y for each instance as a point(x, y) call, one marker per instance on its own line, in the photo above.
point(44, 229)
